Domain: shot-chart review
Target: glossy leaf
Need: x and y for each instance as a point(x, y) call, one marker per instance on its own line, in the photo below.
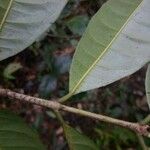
point(77, 141)
point(24, 21)
point(16, 135)
point(115, 44)
point(147, 85)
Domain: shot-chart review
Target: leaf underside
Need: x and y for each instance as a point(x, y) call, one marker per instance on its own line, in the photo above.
point(24, 21)
point(115, 44)
point(16, 135)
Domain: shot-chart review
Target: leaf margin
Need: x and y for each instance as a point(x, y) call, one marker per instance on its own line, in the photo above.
point(76, 87)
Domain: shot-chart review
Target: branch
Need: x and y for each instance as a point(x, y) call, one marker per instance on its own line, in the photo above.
point(136, 127)
point(142, 142)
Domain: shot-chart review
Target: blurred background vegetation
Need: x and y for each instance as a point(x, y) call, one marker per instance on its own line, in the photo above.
point(42, 70)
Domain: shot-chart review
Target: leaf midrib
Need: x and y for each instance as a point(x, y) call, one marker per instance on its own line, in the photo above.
point(6, 14)
point(102, 54)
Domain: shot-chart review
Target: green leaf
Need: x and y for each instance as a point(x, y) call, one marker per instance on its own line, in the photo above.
point(115, 44)
point(78, 24)
point(77, 141)
point(10, 69)
point(22, 22)
point(147, 85)
point(16, 135)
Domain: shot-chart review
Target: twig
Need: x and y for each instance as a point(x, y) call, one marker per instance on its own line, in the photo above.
point(59, 117)
point(136, 127)
point(142, 143)
point(146, 120)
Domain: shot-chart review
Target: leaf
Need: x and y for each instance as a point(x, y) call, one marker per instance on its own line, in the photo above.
point(10, 69)
point(115, 44)
point(16, 135)
point(78, 24)
point(77, 141)
point(24, 21)
point(147, 85)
